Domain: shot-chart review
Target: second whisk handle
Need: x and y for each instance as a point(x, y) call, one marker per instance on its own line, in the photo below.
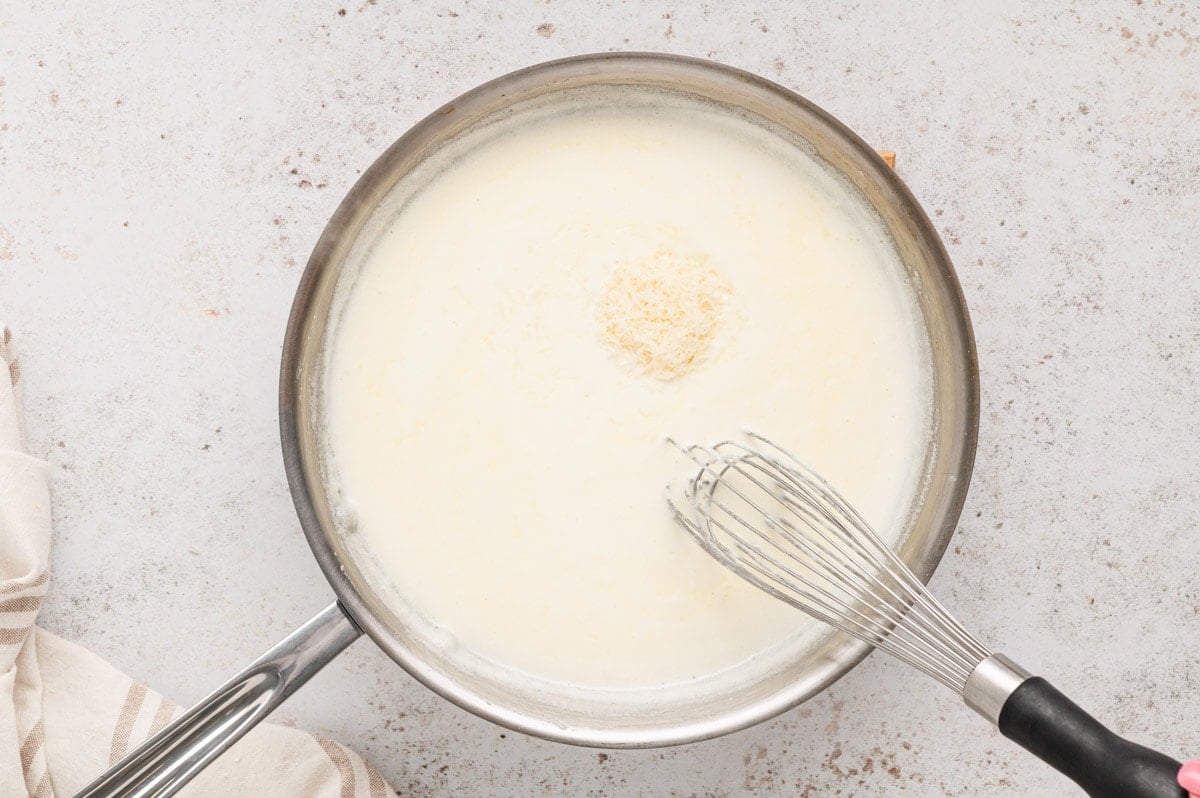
point(1052, 727)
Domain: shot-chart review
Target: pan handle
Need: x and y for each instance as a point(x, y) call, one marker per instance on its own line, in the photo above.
point(167, 761)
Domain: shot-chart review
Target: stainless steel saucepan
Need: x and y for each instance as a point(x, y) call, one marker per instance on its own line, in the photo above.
point(169, 759)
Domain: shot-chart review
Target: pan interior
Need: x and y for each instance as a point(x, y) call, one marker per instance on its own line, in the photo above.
point(701, 707)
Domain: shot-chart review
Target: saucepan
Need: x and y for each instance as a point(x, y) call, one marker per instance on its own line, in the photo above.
point(362, 606)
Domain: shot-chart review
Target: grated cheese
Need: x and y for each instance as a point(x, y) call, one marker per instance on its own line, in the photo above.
point(660, 314)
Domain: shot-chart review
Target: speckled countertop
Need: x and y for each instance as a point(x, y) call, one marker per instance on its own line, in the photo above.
point(165, 169)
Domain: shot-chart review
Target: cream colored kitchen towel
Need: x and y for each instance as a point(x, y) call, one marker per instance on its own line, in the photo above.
point(66, 715)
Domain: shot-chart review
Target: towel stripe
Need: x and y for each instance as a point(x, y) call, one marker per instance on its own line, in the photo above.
point(21, 604)
point(376, 783)
point(162, 716)
point(44, 788)
point(19, 586)
point(14, 367)
point(343, 764)
point(129, 712)
point(32, 744)
point(12, 637)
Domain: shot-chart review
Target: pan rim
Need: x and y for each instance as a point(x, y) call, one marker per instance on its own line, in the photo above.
point(847, 652)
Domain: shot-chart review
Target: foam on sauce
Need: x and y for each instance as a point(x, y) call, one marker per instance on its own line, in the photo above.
point(539, 317)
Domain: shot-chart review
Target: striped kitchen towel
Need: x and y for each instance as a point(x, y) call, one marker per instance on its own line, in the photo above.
point(66, 715)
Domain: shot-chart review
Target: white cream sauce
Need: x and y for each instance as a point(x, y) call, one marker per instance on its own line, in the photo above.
point(509, 475)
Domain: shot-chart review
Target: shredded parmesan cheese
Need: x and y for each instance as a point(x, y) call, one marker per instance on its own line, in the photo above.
point(660, 314)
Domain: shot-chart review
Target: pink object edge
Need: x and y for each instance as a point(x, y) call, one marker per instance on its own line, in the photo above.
point(1189, 776)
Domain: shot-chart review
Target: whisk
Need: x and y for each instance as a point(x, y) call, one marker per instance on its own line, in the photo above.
point(777, 524)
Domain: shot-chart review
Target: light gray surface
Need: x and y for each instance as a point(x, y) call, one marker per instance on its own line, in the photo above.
point(165, 169)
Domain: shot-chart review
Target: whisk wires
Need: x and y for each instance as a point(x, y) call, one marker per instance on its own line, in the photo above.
point(778, 524)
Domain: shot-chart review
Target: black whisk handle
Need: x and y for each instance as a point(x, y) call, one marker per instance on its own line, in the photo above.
point(1052, 727)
